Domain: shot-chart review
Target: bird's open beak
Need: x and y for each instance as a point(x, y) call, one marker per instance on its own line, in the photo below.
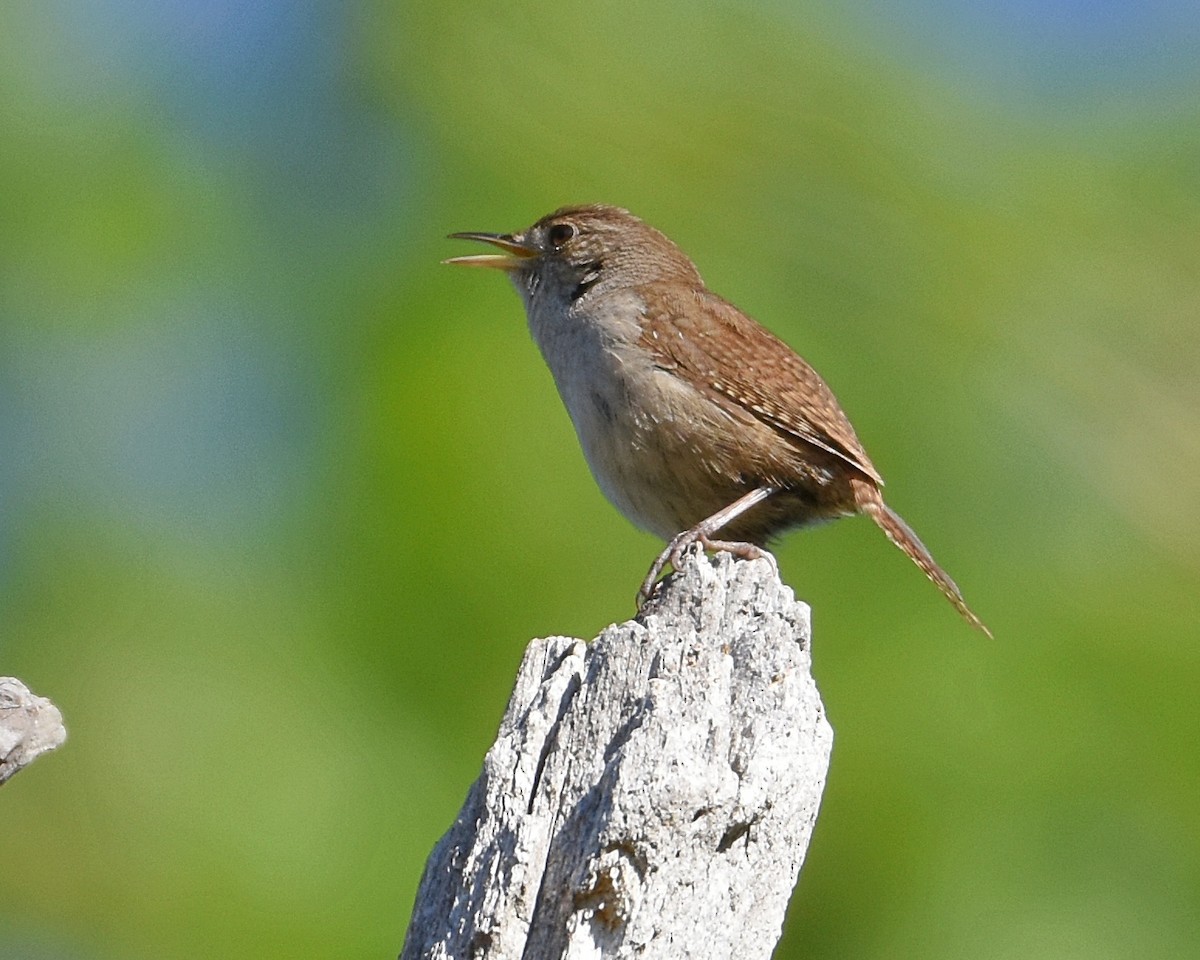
point(514, 257)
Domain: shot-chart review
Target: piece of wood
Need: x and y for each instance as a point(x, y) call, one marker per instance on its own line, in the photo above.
point(29, 726)
point(649, 795)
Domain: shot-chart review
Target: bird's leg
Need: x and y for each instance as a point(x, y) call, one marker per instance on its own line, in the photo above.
point(701, 534)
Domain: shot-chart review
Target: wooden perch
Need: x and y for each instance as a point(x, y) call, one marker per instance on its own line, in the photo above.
point(29, 726)
point(650, 794)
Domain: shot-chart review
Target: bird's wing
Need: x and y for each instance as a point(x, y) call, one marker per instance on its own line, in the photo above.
point(724, 353)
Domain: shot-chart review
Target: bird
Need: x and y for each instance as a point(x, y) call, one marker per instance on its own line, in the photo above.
point(695, 419)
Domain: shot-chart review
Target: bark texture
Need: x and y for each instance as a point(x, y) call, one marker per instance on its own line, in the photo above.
point(29, 726)
point(650, 794)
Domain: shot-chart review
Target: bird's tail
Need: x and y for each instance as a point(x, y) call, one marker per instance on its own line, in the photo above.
point(901, 534)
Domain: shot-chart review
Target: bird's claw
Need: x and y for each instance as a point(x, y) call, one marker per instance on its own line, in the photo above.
point(674, 553)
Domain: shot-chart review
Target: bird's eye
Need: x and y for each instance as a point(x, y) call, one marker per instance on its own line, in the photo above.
point(559, 234)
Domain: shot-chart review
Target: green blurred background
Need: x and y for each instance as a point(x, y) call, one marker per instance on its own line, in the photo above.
point(282, 499)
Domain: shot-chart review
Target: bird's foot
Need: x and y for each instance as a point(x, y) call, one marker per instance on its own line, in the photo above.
point(696, 538)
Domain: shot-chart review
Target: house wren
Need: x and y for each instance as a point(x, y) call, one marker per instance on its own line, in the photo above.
point(694, 419)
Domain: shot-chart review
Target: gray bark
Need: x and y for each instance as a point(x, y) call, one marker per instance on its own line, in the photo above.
point(650, 794)
point(29, 726)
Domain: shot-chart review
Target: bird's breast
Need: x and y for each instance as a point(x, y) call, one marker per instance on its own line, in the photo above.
point(643, 430)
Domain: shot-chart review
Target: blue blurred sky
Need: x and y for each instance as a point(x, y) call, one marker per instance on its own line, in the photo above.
point(1059, 54)
point(155, 390)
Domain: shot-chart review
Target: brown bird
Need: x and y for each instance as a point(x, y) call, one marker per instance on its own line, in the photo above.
point(694, 419)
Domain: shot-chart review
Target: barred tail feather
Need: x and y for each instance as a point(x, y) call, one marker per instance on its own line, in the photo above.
point(902, 535)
